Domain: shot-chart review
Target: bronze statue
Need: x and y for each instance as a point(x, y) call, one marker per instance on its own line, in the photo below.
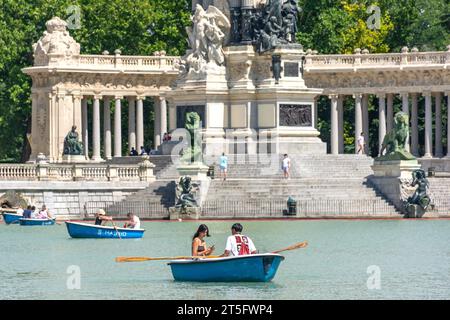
point(72, 146)
point(185, 194)
point(420, 196)
point(394, 143)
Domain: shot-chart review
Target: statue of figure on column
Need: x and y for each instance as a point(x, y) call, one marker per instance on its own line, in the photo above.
point(72, 146)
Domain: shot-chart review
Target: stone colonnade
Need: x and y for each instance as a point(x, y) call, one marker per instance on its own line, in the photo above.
point(135, 124)
point(410, 105)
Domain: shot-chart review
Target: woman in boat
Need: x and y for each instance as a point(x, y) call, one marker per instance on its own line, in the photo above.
point(44, 213)
point(101, 218)
point(199, 247)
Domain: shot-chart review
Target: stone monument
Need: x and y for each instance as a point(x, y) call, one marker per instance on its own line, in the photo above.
point(73, 148)
point(243, 75)
point(186, 206)
point(394, 168)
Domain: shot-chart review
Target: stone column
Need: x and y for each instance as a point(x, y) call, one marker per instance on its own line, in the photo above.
point(358, 118)
point(140, 123)
point(448, 123)
point(382, 119)
point(405, 109)
point(334, 124)
point(163, 115)
point(428, 125)
point(131, 123)
point(96, 130)
point(85, 129)
point(157, 129)
point(172, 117)
point(439, 152)
point(414, 124)
point(107, 128)
point(340, 107)
point(365, 110)
point(390, 112)
point(118, 127)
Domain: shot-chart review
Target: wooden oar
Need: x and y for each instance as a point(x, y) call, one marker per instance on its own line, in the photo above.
point(142, 259)
point(293, 247)
point(117, 230)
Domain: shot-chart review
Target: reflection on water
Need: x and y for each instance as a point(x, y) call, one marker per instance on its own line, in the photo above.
point(413, 258)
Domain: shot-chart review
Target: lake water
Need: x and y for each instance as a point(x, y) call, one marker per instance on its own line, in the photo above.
point(412, 258)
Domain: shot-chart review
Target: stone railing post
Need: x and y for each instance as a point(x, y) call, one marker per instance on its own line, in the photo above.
point(117, 58)
point(42, 172)
point(447, 56)
point(146, 171)
point(357, 61)
point(112, 173)
point(405, 54)
point(77, 173)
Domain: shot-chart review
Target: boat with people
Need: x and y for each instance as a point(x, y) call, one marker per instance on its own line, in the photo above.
point(11, 217)
point(37, 222)
point(91, 231)
point(247, 268)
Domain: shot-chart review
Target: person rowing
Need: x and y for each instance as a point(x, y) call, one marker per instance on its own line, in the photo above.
point(199, 247)
point(238, 244)
point(101, 218)
point(133, 221)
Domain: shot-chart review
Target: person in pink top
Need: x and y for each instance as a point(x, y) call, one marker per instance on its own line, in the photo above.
point(44, 214)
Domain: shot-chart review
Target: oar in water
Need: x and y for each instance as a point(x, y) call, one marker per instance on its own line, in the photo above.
point(141, 259)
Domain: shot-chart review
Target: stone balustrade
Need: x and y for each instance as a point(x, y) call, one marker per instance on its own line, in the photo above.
point(331, 62)
point(133, 63)
point(78, 172)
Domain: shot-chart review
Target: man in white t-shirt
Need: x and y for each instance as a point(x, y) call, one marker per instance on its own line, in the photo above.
point(286, 166)
point(361, 144)
point(238, 244)
point(133, 221)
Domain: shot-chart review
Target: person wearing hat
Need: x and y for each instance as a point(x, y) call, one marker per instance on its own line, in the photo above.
point(101, 217)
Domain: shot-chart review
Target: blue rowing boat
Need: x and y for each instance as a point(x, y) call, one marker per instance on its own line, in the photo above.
point(10, 217)
point(36, 222)
point(249, 268)
point(85, 230)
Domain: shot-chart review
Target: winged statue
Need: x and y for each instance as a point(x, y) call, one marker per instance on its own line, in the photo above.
point(210, 31)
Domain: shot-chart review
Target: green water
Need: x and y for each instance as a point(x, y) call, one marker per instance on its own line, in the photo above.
point(413, 259)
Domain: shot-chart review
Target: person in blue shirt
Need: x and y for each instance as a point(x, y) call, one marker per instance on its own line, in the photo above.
point(223, 166)
point(27, 213)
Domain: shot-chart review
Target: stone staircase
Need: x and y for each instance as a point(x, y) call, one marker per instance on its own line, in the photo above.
point(323, 186)
point(440, 193)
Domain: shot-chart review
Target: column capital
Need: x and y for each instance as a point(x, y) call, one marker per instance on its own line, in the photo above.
point(164, 98)
point(381, 95)
point(98, 97)
point(140, 98)
point(437, 94)
point(78, 96)
point(333, 96)
point(118, 97)
point(403, 94)
point(427, 93)
point(357, 96)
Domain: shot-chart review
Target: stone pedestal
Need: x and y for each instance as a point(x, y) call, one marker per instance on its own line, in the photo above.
point(74, 159)
point(187, 214)
point(415, 212)
point(389, 177)
point(197, 171)
point(395, 169)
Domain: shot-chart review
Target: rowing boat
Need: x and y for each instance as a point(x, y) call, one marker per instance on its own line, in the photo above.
point(85, 230)
point(10, 217)
point(248, 268)
point(36, 222)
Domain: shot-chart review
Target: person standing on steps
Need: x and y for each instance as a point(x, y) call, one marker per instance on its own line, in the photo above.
point(223, 166)
point(361, 144)
point(286, 166)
